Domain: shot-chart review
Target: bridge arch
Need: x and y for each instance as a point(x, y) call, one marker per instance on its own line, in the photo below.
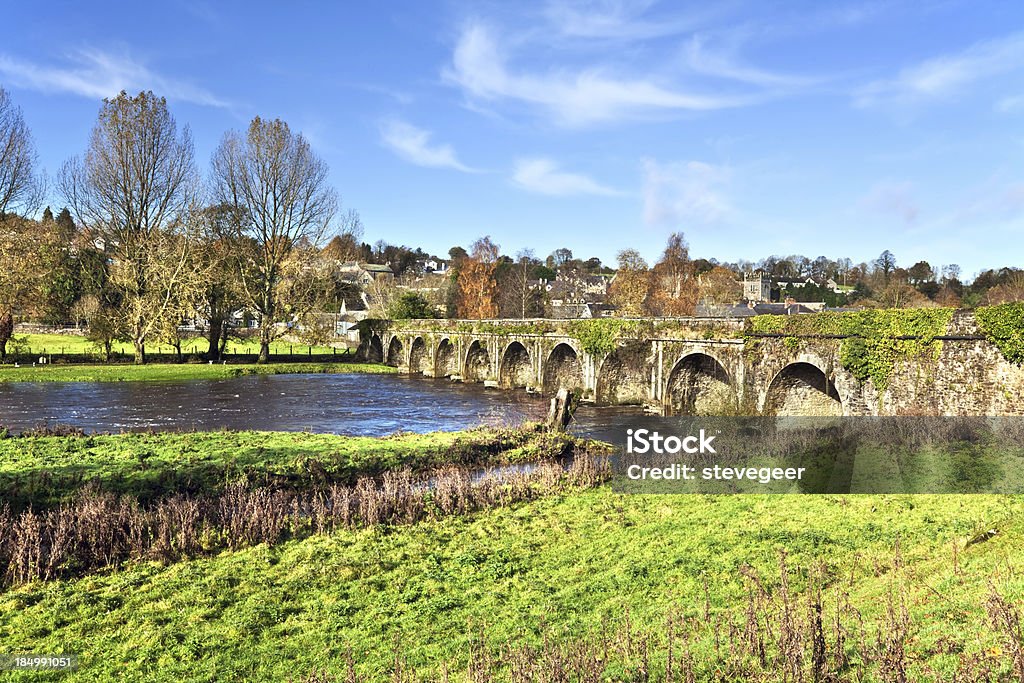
point(374, 349)
point(563, 368)
point(395, 348)
point(418, 355)
point(802, 388)
point(477, 362)
point(446, 360)
point(699, 385)
point(625, 376)
point(515, 370)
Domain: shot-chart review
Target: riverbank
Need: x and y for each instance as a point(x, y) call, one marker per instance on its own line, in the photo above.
point(38, 344)
point(176, 371)
point(43, 469)
point(584, 582)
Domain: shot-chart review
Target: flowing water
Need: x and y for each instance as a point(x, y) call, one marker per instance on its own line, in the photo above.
point(352, 404)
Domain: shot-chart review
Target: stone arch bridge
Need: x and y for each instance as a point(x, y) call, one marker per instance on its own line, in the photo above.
point(704, 366)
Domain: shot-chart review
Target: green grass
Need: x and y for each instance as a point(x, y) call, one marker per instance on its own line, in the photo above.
point(43, 470)
point(177, 371)
point(38, 344)
point(555, 568)
point(565, 562)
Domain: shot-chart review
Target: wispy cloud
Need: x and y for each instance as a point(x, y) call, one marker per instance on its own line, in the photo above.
point(98, 74)
point(617, 20)
point(575, 97)
point(946, 76)
point(685, 192)
point(725, 65)
point(893, 198)
point(413, 145)
point(823, 17)
point(543, 176)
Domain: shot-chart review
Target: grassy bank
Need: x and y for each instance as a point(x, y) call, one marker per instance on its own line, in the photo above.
point(43, 470)
point(556, 584)
point(73, 344)
point(168, 372)
point(564, 570)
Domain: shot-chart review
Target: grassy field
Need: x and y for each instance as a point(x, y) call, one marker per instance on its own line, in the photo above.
point(176, 371)
point(39, 344)
point(43, 470)
point(563, 569)
point(578, 585)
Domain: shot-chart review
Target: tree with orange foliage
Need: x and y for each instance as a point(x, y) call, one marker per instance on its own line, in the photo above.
point(628, 289)
point(674, 289)
point(719, 287)
point(477, 287)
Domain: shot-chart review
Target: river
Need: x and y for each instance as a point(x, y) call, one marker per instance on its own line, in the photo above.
point(352, 404)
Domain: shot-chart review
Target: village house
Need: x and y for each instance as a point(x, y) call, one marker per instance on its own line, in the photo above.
point(575, 295)
point(363, 274)
point(826, 283)
point(432, 265)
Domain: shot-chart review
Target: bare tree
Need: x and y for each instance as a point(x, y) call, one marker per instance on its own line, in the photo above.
point(21, 186)
point(134, 188)
point(278, 187)
point(519, 296)
point(673, 285)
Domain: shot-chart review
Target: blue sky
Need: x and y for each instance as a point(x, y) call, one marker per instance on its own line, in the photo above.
point(757, 128)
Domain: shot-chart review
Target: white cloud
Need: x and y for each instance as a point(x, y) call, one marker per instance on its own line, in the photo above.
point(413, 145)
point(575, 97)
point(616, 20)
point(685, 192)
point(98, 74)
point(725, 65)
point(946, 76)
point(544, 177)
point(893, 198)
